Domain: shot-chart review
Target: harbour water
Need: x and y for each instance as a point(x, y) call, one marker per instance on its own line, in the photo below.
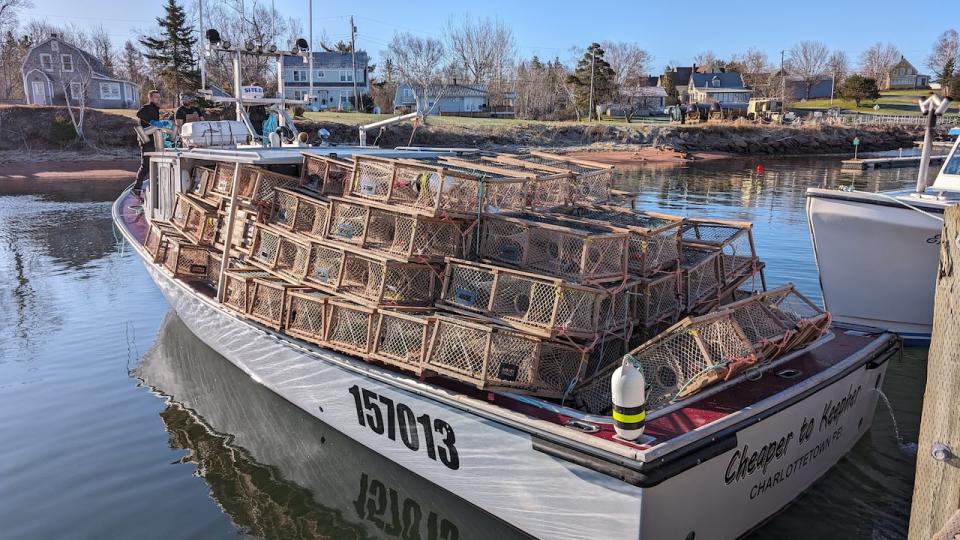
point(119, 423)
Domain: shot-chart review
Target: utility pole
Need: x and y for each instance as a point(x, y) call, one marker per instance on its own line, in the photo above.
point(310, 75)
point(353, 54)
point(783, 88)
point(203, 52)
point(593, 61)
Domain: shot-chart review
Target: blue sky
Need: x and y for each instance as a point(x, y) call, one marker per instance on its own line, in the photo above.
point(550, 29)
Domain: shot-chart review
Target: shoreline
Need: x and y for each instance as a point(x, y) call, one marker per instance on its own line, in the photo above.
point(68, 166)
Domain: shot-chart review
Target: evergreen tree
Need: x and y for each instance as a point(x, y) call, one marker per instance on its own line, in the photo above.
point(859, 88)
point(172, 51)
point(592, 65)
point(946, 74)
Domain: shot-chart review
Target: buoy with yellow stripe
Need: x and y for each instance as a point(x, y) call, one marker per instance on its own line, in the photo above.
point(628, 389)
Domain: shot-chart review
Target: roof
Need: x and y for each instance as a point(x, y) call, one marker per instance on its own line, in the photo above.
point(648, 80)
point(728, 79)
point(97, 70)
point(646, 91)
point(328, 60)
point(681, 75)
point(452, 90)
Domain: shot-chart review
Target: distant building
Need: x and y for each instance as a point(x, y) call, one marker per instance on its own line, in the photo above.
point(644, 100)
point(681, 80)
point(903, 76)
point(721, 87)
point(54, 71)
point(797, 89)
point(455, 99)
point(333, 78)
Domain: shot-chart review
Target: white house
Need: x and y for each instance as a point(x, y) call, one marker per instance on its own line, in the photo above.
point(333, 78)
point(721, 87)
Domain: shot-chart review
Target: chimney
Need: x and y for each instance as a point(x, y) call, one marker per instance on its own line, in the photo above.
point(54, 35)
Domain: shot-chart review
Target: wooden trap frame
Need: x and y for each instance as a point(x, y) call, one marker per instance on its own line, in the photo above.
point(407, 236)
point(279, 253)
point(402, 339)
point(382, 282)
point(267, 302)
point(195, 219)
point(243, 229)
point(157, 239)
point(433, 190)
point(306, 314)
point(255, 184)
point(700, 277)
point(350, 327)
point(202, 180)
point(236, 294)
point(325, 175)
point(654, 237)
point(543, 189)
point(733, 240)
point(591, 181)
point(565, 248)
point(543, 306)
point(299, 213)
point(656, 300)
point(779, 321)
point(324, 266)
point(183, 259)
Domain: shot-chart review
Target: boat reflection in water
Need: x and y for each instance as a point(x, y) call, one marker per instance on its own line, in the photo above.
point(281, 473)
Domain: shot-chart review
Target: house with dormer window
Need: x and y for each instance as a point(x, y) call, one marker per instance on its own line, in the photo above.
point(903, 76)
point(719, 87)
point(333, 79)
point(55, 72)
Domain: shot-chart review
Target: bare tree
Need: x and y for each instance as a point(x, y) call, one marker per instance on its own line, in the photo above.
point(838, 67)
point(756, 71)
point(103, 49)
point(74, 86)
point(876, 62)
point(629, 63)
point(709, 61)
point(38, 31)
point(808, 60)
point(945, 56)
point(480, 50)
point(9, 10)
point(418, 62)
point(541, 93)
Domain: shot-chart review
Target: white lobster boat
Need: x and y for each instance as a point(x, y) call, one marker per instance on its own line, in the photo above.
point(715, 464)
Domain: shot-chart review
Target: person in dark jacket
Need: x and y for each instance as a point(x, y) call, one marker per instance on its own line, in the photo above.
point(186, 112)
point(147, 114)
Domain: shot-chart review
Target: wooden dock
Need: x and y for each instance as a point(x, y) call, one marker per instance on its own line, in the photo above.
point(887, 162)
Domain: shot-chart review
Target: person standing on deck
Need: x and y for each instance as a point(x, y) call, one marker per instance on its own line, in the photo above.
point(186, 112)
point(147, 114)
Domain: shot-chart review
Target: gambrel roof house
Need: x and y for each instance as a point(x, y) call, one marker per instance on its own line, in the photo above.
point(54, 70)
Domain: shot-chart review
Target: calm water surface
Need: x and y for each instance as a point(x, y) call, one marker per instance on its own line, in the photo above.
point(119, 423)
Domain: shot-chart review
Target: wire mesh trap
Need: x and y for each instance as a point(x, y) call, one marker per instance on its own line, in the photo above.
point(496, 357)
point(325, 175)
point(201, 181)
point(236, 293)
point(183, 259)
point(195, 219)
point(654, 237)
point(157, 239)
point(255, 185)
point(537, 304)
point(382, 282)
point(267, 302)
point(349, 327)
point(306, 314)
point(280, 253)
point(299, 213)
point(543, 190)
point(324, 266)
point(656, 300)
point(699, 276)
point(402, 339)
point(572, 250)
point(779, 320)
point(732, 239)
point(591, 181)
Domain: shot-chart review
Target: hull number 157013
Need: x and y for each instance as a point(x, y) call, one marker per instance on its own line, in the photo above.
point(385, 417)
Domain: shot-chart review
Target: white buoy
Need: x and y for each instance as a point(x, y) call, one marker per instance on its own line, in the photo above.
point(274, 139)
point(628, 390)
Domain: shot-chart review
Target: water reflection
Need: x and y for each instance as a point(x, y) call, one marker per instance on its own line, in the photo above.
point(279, 472)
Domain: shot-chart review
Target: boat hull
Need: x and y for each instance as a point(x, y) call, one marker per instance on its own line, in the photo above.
point(499, 468)
point(877, 261)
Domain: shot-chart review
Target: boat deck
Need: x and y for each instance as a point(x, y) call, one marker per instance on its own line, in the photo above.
point(670, 429)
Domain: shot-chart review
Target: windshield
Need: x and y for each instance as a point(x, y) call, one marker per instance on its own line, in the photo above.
point(953, 166)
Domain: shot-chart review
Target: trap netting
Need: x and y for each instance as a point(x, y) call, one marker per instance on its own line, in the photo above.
point(183, 259)
point(654, 237)
point(780, 320)
point(157, 239)
point(591, 181)
point(300, 213)
point(324, 266)
point(383, 282)
point(285, 256)
point(564, 248)
point(541, 305)
point(236, 293)
point(348, 221)
point(267, 301)
point(733, 240)
point(656, 299)
point(325, 175)
point(214, 263)
point(201, 180)
point(222, 185)
point(489, 356)
point(402, 339)
point(255, 185)
point(349, 327)
point(195, 220)
point(677, 363)
point(544, 190)
point(306, 314)
point(699, 277)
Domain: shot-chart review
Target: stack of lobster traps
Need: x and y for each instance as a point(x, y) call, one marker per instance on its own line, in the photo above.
point(509, 272)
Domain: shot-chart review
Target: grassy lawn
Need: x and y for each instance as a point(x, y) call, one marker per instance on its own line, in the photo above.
point(897, 102)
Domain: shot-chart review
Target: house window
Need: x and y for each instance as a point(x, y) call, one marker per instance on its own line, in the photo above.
point(66, 61)
point(46, 62)
point(715, 82)
point(76, 91)
point(407, 93)
point(319, 74)
point(55, 46)
point(299, 75)
point(346, 76)
point(110, 90)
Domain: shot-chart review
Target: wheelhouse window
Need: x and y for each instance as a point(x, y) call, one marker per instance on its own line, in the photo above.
point(110, 90)
point(46, 62)
point(66, 60)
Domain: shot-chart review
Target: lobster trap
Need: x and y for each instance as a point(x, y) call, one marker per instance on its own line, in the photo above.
point(306, 314)
point(236, 288)
point(572, 250)
point(656, 300)
point(284, 255)
point(325, 175)
point(433, 190)
point(779, 321)
point(654, 237)
point(299, 213)
point(699, 277)
point(267, 303)
point(382, 282)
point(183, 259)
point(540, 305)
point(677, 363)
point(402, 339)
point(495, 357)
point(157, 239)
point(255, 185)
point(349, 327)
point(324, 266)
point(591, 181)
point(733, 240)
point(195, 220)
point(543, 190)
point(201, 181)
